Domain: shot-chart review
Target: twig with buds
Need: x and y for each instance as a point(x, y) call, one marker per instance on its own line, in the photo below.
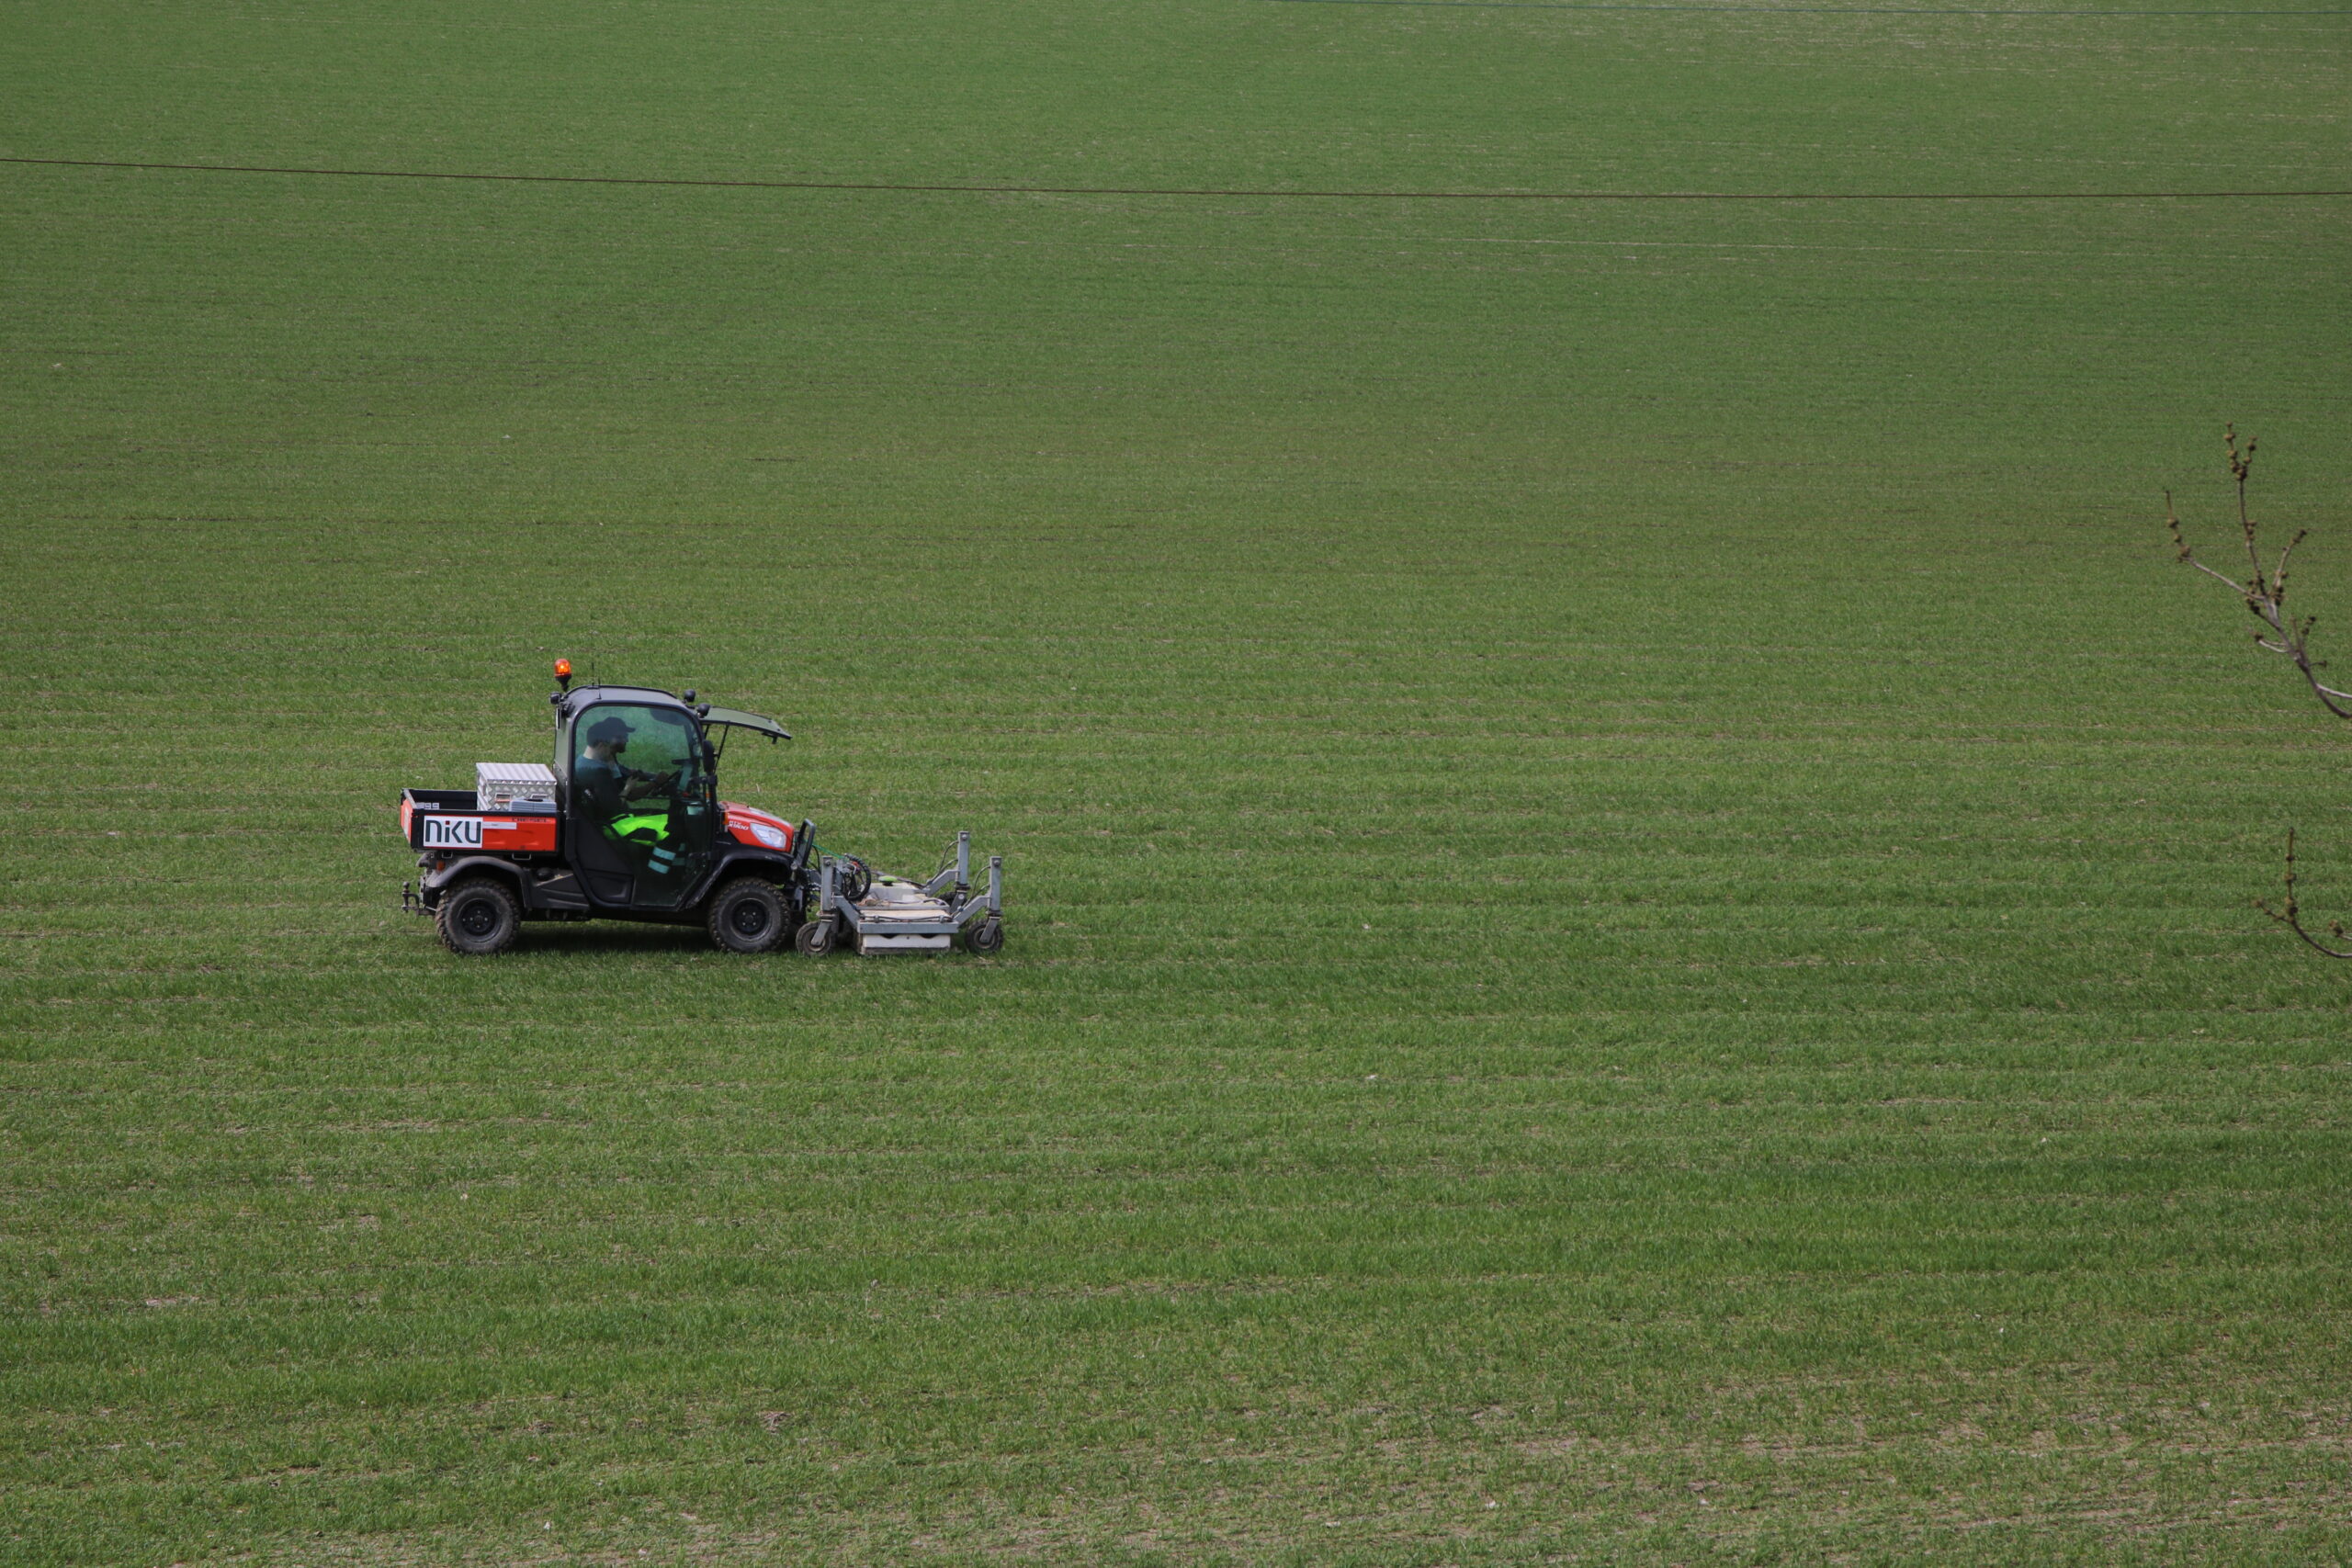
point(2292, 916)
point(2266, 592)
point(2266, 598)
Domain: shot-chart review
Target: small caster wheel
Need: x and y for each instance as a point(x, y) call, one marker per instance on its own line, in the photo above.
point(815, 938)
point(985, 938)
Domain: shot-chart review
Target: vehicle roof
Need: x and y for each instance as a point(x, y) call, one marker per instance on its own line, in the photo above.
point(583, 696)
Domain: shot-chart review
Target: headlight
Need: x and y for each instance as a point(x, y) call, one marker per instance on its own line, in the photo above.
point(774, 838)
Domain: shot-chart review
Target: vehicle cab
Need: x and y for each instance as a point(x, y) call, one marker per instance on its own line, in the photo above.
point(636, 785)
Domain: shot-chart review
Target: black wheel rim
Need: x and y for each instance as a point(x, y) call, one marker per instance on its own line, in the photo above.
point(750, 919)
point(477, 918)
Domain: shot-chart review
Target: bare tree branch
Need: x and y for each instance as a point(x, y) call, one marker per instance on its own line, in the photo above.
point(2291, 917)
point(2265, 593)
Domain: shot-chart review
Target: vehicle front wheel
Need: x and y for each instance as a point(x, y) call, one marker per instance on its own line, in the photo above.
point(479, 917)
point(748, 916)
point(986, 937)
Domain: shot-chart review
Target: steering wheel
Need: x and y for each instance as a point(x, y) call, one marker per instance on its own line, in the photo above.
point(655, 784)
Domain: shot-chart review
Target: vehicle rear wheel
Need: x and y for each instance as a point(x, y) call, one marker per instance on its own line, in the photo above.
point(479, 917)
point(815, 938)
point(986, 937)
point(748, 916)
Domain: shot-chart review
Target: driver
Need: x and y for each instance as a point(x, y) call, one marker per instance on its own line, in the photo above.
point(603, 782)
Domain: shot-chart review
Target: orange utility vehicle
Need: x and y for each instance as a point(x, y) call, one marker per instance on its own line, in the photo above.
point(626, 824)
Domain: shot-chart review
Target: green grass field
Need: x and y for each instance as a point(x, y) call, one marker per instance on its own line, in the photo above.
point(1629, 864)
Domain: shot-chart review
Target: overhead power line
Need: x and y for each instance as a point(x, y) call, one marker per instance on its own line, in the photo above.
point(1274, 192)
point(1816, 10)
